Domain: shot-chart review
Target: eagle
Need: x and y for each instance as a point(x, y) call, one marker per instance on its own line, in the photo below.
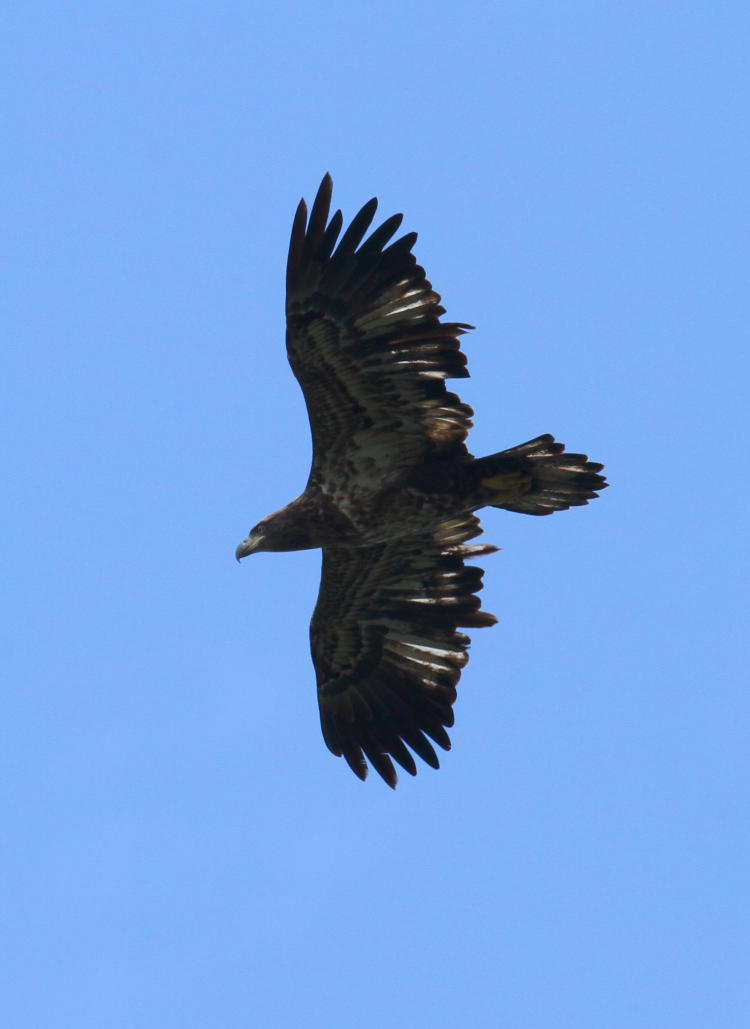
point(393, 489)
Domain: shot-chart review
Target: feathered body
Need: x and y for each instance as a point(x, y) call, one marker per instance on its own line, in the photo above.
point(392, 489)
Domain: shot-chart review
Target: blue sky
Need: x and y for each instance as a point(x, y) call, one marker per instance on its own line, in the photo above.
point(180, 849)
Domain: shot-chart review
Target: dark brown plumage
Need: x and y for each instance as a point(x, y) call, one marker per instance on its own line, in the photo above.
point(392, 488)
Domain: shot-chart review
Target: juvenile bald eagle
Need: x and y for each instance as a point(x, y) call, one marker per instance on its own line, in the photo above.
point(392, 489)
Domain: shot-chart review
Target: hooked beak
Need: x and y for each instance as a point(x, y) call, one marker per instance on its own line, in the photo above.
point(247, 546)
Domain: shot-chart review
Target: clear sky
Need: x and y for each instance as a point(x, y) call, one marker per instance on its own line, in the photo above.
point(179, 849)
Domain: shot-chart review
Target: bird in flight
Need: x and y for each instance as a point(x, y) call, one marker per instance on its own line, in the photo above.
point(393, 490)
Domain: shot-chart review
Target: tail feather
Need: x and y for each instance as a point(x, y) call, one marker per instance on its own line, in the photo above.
point(538, 478)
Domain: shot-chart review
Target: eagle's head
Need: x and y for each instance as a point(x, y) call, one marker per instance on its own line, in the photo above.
point(287, 529)
point(306, 523)
point(256, 540)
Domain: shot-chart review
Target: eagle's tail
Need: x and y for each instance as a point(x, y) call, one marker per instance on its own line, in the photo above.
point(537, 478)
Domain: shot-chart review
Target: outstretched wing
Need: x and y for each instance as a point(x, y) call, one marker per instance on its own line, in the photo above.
point(385, 644)
point(365, 341)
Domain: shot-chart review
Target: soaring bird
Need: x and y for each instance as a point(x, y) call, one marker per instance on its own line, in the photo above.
point(393, 490)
